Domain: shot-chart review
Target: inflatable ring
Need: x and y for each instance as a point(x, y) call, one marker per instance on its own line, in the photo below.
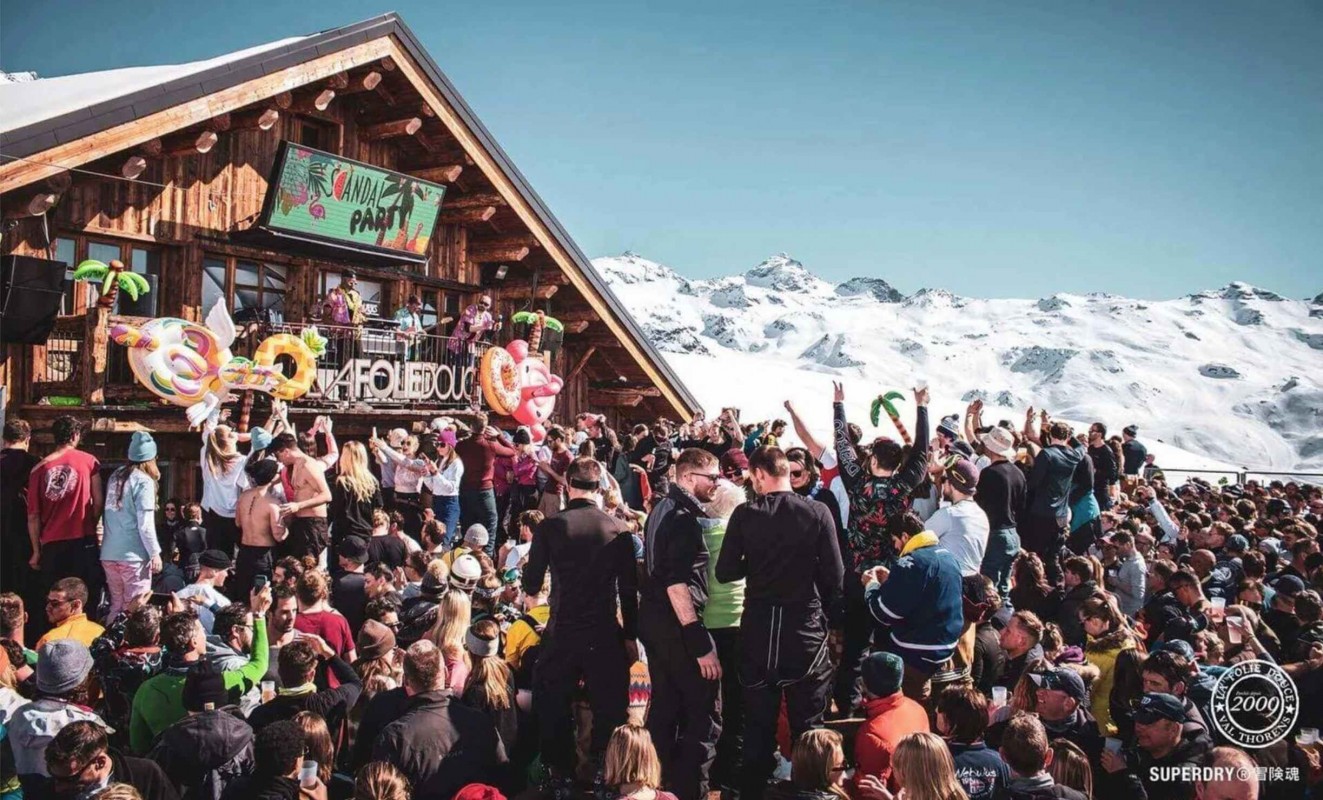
point(500, 381)
point(305, 363)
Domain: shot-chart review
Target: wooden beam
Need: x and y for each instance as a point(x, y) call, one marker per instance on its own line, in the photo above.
point(338, 81)
point(257, 119)
point(151, 148)
point(220, 122)
point(386, 95)
point(315, 100)
point(425, 110)
point(448, 173)
point(366, 83)
point(597, 398)
point(60, 182)
point(465, 216)
point(518, 292)
point(576, 327)
point(475, 200)
point(581, 363)
point(488, 255)
point(34, 206)
point(510, 240)
point(131, 134)
point(388, 64)
point(385, 130)
point(576, 315)
point(190, 144)
point(133, 166)
point(283, 100)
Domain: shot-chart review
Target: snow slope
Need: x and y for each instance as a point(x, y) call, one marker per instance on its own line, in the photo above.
point(1226, 377)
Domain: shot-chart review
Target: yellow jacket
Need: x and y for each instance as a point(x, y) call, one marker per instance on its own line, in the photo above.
point(1102, 653)
point(522, 636)
point(76, 627)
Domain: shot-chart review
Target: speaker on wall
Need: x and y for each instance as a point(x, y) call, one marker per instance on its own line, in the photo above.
point(144, 306)
point(30, 292)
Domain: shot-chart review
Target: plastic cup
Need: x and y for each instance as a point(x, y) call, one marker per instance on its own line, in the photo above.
point(1307, 736)
point(1233, 629)
point(268, 691)
point(999, 696)
point(308, 774)
point(1218, 608)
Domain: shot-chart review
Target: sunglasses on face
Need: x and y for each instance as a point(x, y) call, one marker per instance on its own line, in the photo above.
point(796, 473)
point(170, 509)
point(52, 602)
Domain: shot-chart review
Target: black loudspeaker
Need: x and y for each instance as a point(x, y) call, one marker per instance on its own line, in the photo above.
point(144, 306)
point(30, 292)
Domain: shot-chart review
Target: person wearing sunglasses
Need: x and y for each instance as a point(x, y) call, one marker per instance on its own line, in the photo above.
point(685, 719)
point(81, 764)
point(469, 329)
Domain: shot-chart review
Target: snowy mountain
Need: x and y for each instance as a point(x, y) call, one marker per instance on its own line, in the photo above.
point(1232, 376)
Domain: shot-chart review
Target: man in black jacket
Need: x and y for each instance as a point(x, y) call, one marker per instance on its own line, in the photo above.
point(440, 745)
point(1105, 469)
point(786, 546)
point(1164, 746)
point(80, 763)
point(298, 692)
point(591, 559)
point(685, 719)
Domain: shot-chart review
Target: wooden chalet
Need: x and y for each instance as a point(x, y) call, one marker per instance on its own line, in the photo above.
point(168, 168)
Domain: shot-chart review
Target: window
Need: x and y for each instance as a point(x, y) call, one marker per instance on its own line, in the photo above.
point(252, 285)
point(372, 292)
point(64, 249)
point(317, 134)
point(73, 251)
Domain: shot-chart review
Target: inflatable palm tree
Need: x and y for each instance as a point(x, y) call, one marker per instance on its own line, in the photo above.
point(113, 278)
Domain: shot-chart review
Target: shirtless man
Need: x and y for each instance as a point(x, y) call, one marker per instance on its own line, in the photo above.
point(258, 516)
point(305, 512)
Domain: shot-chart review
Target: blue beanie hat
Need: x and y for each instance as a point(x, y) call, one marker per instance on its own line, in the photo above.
point(142, 447)
point(259, 438)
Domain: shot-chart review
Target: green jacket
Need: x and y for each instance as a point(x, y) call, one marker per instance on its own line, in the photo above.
point(725, 601)
point(159, 702)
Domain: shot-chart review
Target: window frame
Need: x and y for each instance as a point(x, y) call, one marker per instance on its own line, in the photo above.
point(82, 245)
point(232, 287)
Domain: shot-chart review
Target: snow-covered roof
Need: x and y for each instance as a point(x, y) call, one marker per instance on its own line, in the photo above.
point(29, 102)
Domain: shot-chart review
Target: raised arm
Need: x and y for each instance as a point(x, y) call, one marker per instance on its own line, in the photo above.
point(852, 473)
point(815, 447)
point(915, 468)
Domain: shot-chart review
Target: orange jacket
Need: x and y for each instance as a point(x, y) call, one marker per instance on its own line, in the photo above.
point(890, 719)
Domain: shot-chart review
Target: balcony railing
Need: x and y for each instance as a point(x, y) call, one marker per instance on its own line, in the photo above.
point(378, 367)
point(362, 368)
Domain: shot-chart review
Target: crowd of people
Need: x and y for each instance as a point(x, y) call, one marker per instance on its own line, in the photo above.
point(975, 612)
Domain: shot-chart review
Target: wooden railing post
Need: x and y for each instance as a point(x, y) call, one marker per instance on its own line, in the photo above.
point(95, 356)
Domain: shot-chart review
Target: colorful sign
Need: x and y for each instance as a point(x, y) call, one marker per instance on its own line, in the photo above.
point(327, 198)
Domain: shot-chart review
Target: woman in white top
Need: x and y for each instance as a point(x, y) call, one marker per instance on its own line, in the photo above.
point(222, 481)
point(410, 470)
point(443, 482)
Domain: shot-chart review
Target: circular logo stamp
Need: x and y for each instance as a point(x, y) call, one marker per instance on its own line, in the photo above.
point(1255, 704)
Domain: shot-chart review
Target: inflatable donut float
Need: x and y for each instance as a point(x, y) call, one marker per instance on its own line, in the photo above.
point(305, 364)
point(499, 377)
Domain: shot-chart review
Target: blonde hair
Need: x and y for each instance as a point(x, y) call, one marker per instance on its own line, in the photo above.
point(380, 780)
point(924, 769)
point(632, 758)
point(220, 449)
point(454, 612)
point(120, 791)
point(490, 677)
point(1070, 767)
point(317, 743)
point(148, 468)
point(727, 498)
point(355, 479)
point(814, 759)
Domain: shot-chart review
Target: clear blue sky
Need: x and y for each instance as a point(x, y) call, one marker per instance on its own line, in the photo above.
point(999, 149)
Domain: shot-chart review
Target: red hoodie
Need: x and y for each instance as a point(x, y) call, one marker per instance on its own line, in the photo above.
point(890, 719)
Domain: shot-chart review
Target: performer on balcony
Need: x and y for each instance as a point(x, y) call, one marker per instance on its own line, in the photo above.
point(473, 324)
point(410, 329)
point(344, 311)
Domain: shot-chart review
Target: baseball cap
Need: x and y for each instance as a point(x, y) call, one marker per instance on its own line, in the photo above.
point(734, 459)
point(1062, 680)
point(963, 475)
point(1289, 586)
point(1159, 705)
